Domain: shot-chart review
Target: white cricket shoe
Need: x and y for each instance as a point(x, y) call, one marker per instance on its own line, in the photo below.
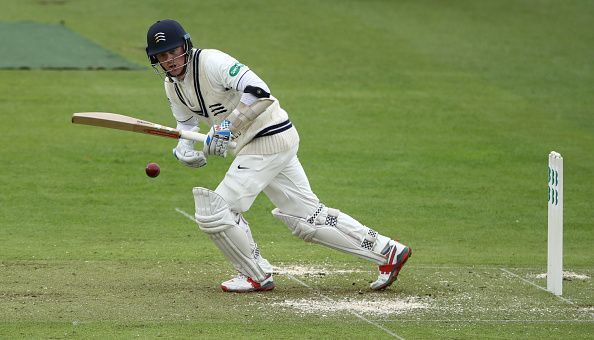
point(244, 284)
point(397, 255)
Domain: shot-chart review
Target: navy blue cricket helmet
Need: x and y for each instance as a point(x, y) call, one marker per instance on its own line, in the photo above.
point(165, 35)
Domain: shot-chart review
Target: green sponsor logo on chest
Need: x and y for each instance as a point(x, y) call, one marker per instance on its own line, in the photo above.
point(234, 70)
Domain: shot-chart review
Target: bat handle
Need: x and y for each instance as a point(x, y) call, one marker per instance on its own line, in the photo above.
point(199, 137)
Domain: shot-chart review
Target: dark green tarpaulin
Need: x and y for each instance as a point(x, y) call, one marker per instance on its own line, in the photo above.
point(31, 45)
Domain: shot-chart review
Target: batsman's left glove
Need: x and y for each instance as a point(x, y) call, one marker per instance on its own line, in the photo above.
point(185, 153)
point(217, 139)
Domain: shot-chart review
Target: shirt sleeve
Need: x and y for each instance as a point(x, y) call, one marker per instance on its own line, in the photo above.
point(224, 71)
point(250, 79)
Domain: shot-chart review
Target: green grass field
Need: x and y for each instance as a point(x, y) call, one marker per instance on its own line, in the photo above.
point(429, 121)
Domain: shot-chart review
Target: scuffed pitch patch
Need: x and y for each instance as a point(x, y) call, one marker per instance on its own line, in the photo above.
point(566, 276)
point(297, 270)
point(379, 306)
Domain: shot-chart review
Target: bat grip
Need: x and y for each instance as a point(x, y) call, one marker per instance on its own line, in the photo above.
point(199, 137)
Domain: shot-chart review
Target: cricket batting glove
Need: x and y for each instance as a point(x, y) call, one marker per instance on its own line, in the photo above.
point(217, 140)
point(185, 153)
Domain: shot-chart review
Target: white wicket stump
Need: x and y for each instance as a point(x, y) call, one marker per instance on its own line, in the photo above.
point(555, 228)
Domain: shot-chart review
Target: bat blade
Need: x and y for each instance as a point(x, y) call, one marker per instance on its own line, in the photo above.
point(126, 123)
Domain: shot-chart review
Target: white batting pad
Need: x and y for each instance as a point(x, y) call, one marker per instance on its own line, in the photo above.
point(337, 230)
point(215, 219)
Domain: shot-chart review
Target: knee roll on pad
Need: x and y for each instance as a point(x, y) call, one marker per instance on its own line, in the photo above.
point(215, 219)
point(332, 228)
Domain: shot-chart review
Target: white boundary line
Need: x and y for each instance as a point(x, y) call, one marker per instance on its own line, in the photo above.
point(191, 218)
point(543, 288)
point(535, 285)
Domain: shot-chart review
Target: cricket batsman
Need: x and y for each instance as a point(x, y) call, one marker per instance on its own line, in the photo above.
point(209, 86)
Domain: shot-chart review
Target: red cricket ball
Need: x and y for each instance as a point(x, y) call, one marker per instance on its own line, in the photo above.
point(152, 170)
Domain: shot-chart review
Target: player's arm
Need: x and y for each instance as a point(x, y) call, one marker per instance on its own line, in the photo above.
point(228, 74)
point(254, 101)
point(255, 98)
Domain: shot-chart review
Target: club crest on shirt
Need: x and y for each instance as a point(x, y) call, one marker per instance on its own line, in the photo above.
point(234, 70)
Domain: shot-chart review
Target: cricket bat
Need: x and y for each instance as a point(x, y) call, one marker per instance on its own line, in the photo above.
point(126, 123)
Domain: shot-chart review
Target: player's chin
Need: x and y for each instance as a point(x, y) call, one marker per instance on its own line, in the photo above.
point(176, 72)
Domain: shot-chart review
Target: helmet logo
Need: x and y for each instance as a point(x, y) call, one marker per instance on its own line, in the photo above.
point(159, 37)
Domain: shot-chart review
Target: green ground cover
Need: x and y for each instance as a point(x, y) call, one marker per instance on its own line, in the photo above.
point(34, 45)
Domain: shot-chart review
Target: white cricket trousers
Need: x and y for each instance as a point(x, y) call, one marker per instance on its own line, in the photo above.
point(280, 176)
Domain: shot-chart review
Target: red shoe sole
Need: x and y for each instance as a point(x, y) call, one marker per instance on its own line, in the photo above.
point(264, 288)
